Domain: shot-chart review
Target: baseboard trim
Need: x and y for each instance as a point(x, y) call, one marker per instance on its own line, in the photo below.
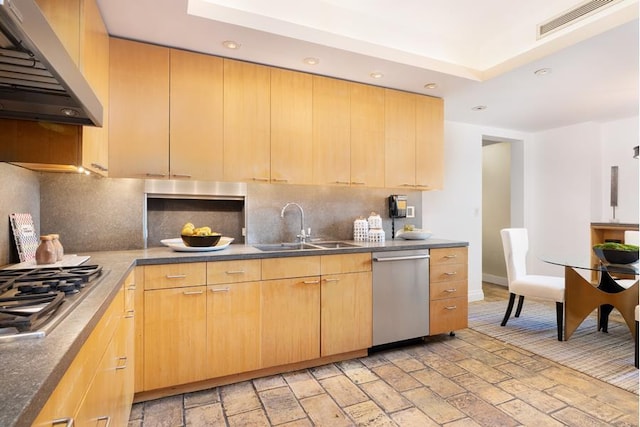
point(498, 280)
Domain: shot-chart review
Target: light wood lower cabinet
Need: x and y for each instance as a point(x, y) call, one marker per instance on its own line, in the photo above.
point(211, 320)
point(290, 320)
point(233, 328)
point(174, 331)
point(448, 290)
point(98, 385)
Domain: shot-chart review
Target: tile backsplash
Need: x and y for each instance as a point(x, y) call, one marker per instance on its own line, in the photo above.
point(94, 214)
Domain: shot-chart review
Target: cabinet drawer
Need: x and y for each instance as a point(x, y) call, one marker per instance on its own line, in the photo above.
point(448, 256)
point(345, 263)
point(448, 273)
point(174, 275)
point(233, 271)
point(281, 268)
point(448, 289)
point(447, 315)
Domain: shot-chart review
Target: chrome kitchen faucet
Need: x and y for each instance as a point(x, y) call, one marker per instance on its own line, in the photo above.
point(303, 234)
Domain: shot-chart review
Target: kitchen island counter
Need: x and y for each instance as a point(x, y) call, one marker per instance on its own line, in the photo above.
point(32, 368)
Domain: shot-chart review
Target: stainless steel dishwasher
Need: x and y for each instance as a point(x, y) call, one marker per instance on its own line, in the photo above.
point(400, 295)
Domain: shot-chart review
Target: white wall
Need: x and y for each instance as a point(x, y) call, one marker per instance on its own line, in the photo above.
point(563, 189)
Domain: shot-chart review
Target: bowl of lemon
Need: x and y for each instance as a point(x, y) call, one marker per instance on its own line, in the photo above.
point(199, 237)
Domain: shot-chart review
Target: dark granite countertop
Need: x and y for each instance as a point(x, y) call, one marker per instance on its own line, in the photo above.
point(32, 368)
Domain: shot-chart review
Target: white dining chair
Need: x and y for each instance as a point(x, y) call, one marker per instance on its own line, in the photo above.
point(515, 242)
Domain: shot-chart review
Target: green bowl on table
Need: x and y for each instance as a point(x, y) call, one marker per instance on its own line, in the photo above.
point(616, 253)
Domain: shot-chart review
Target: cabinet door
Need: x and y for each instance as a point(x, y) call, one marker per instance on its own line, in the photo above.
point(246, 122)
point(331, 131)
point(94, 63)
point(64, 18)
point(195, 142)
point(429, 143)
point(400, 139)
point(367, 135)
point(290, 320)
point(291, 127)
point(346, 313)
point(138, 110)
point(174, 336)
point(233, 328)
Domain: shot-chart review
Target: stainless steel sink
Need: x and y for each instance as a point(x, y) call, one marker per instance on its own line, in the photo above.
point(278, 247)
point(334, 245)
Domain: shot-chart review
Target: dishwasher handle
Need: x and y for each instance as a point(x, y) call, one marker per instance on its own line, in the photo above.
point(401, 258)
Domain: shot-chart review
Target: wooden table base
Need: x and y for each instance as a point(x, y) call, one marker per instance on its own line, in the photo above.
point(581, 298)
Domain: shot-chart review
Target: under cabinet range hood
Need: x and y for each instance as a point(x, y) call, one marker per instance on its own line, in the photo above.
point(38, 78)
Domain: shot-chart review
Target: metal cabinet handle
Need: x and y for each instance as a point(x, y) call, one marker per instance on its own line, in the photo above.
point(68, 422)
point(450, 290)
point(357, 183)
point(342, 182)
point(451, 307)
point(331, 280)
point(451, 273)
point(131, 288)
point(235, 272)
point(279, 180)
point(176, 276)
point(155, 175)
point(400, 258)
point(130, 314)
point(260, 179)
point(193, 292)
point(451, 256)
point(310, 282)
point(220, 290)
point(180, 175)
point(106, 418)
point(123, 360)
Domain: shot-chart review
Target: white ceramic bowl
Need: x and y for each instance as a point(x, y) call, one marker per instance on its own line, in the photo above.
point(415, 234)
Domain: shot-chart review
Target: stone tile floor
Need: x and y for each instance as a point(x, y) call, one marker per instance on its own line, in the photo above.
point(466, 380)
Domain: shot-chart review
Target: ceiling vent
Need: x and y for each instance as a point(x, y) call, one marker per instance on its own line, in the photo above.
point(571, 16)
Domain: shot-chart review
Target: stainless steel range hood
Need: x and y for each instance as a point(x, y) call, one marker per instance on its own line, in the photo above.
point(38, 78)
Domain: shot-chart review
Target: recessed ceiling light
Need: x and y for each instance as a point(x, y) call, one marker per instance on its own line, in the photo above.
point(542, 71)
point(69, 112)
point(311, 61)
point(479, 108)
point(230, 44)
point(376, 75)
point(431, 86)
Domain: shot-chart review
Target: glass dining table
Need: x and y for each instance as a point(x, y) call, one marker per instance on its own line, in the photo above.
point(617, 287)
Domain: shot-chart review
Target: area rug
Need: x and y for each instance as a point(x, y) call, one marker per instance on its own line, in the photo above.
point(608, 357)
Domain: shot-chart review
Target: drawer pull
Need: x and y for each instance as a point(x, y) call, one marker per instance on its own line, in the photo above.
point(451, 273)
point(279, 180)
point(311, 282)
point(193, 292)
point(235, 272)
point(331, 280)
point(105, 418)
point(451, 256)
point(131, 288)
point(68, 422)
point(176, 276)
point(451, 307)
point(220, 290)
point(180, 175)
point(260, 179)
point(450, 291)
point(122, 363)
point(129, 314)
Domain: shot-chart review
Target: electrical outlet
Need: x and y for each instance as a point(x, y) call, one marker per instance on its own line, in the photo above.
point(411, 212)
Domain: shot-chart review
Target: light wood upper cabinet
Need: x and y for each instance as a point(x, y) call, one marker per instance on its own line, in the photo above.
point(94, 64)
point(196, 138)
point(139, 110)
point(247, 123)
point(331, 131)
point(64, 18)
point(400, 139)
point(291, 127)
point(429, 143)
point(367, 135)
point(413, 141)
